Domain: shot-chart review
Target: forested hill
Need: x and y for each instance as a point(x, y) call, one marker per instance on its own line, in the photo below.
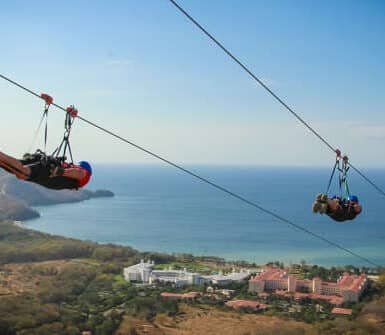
point(55, 285)
point(17, 197)
point(24, 245)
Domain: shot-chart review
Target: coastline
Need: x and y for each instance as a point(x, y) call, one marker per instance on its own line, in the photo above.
point(186, 256)
point(64, 276)
point(156, 209)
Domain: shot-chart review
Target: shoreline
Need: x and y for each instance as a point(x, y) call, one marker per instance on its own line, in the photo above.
point(217, 258)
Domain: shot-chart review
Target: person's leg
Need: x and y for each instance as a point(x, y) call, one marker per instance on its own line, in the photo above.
point(14, 166)
point(320, 205)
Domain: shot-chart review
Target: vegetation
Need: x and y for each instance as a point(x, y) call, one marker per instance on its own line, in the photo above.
point(23, 245)
point(53, 285)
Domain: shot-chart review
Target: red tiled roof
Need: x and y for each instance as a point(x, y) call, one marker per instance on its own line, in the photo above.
point(345, 280)
point(341, 311)
point(270, 274)
point(245, 303)
point(351, 282)
point(189, 295)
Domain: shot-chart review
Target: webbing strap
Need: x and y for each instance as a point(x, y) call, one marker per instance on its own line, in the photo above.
point(45, 114)
point(332, 175)
point(65, 145)
point(44, 117)
point(343, 180)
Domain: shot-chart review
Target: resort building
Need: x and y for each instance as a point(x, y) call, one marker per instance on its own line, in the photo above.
point(348, 287)
point(178, 278)
point(144, 272)
point(139, 272)
point(226, 279)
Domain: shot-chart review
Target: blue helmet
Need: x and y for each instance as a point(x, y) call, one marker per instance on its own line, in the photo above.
point(86, 166)
point(353, 198)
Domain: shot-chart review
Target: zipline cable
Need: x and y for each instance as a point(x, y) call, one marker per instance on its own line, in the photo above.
point(251, 74)
point(366, 178)
point(207, 181)
point(269, 90)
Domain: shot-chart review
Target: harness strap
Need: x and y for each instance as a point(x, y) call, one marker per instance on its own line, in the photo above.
point(48, 101)
point(332, 175)
point(65, 145)
point(46, 107)
point(343, 178)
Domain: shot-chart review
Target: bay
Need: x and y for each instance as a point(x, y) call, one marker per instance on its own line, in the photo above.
point(158, 208)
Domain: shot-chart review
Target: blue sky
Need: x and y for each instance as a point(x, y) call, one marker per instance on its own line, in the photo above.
point(141, 69)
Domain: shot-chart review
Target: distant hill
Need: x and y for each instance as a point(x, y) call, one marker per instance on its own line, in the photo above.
point(14, 209)
point(17, 197)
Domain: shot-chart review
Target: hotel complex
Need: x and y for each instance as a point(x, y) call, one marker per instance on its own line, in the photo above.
point(144, 272)
point(347, 288)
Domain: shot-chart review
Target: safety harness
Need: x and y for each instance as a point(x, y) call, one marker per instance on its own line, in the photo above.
point(43, 165)
point(59, 155)
point(342, 166)
point(60, 152)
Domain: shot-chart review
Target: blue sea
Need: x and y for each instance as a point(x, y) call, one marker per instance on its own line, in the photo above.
point(158, 208)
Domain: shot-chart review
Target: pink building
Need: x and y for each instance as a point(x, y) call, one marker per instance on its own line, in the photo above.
point(348, 287)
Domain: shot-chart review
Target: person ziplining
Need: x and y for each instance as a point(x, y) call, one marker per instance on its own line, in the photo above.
point(51, 171)
point(341, 207)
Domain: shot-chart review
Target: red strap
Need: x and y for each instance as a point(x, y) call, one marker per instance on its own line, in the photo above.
point(47, 98)
point(72, 111)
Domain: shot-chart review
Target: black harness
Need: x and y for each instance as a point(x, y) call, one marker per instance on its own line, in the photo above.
point(42, 168)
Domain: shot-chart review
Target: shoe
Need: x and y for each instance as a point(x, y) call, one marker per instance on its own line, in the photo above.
point(319, 196)
point(324, 198)
point(316, 206)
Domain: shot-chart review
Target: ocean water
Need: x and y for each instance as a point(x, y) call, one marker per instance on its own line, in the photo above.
point(158, 208)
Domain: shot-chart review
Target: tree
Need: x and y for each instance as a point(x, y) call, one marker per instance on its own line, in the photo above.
point(6, 329)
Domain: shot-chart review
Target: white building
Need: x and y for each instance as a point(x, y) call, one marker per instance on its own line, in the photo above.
point(177, 277)
point(139, 272)
point(144, 272)
point(225, 279)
